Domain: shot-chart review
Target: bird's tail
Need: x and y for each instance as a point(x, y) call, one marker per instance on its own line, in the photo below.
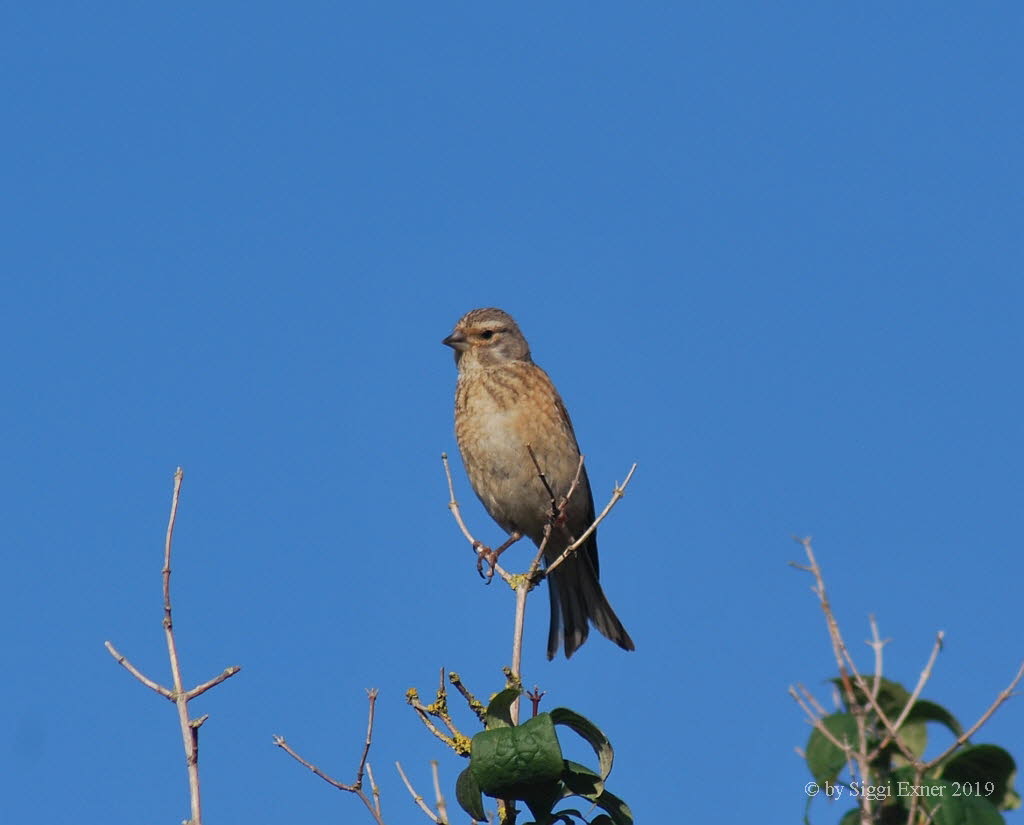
point(577, 600)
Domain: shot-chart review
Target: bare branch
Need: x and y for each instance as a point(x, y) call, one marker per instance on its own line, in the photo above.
point(199, 690)
point(134, 671)
point(178, 694)
point(356, 787)
point(518, 625)
point(442, 808)
point(892, 728)
point(417, 798)
point(1006, 693)
point(282, 743)
point(817, 722)
point(478, 546)
point(189, 735)
point(618, 493)
point(372, 697)
point(375, 790)
point(556, 509)
point(848, 667)
point(438, 709)
point(475, 704)
point(812, 701)
point(877, 644)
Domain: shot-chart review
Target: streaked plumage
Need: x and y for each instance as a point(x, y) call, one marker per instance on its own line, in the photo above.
point(503, 401)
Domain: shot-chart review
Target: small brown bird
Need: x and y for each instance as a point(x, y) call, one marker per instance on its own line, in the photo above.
point(504, 402)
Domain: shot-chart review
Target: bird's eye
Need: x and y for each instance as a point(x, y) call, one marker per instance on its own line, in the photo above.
point(487, 334)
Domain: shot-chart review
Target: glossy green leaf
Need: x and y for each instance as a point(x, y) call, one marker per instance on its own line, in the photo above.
point(509, 763)
point(591, 733)
point(948, 806)
point(467, 793)
point(983, 770)
point(926, 711)
point(581, 780)
point(499, 710)
point(617, 809)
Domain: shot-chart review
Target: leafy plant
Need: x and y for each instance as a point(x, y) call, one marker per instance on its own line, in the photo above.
point(524, 763)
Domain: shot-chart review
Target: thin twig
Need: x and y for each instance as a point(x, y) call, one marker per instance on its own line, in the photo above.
point(966, 735)
point(416, 797)
point(560, 507)
point(816, 720)
point(355, 787)
point(371, 695)
point(442, 808)
point(619, 492)
point(843, 659)
point(877, 644)
point(453, 505)
point(199, 690)
point(438, 709)
point(374, 789)
point(178, 695)
point(134, 671)
point(810, 697)
point(848, 668)
point(282, 743)
point(475, 704)
point(189, 735)
point(894, 727)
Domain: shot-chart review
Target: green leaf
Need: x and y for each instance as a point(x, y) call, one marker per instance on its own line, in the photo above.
point(582, 781)
point(915, 736)
point(499, 710)
point(948, 806)
point(926, 711)
point(824, 759)
point(467, 793)
point(589, 731)
point(851, 817)
point(540, 799)
point(617, 809)
point(511, 763)
point(986, 771)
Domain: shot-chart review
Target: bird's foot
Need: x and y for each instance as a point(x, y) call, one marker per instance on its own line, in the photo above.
point(485, 554)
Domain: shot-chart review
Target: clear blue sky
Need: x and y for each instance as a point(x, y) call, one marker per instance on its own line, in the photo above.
point(772, 254)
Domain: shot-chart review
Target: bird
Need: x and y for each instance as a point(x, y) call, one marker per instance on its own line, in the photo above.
point(505, 408)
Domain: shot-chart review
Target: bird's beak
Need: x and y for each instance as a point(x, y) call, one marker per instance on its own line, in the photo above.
point(457, 341)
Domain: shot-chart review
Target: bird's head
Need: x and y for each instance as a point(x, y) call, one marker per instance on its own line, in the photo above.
point(486, 337)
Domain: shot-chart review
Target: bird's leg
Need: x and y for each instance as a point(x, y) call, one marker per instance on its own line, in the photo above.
point(483, 552)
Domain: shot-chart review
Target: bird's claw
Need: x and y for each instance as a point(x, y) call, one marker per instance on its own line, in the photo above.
point(485, 553)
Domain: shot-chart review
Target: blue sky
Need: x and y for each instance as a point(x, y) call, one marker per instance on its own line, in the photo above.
point(772, 254)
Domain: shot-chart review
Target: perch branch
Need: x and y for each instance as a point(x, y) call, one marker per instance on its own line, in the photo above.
point(478, 546)
point(617, 494)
